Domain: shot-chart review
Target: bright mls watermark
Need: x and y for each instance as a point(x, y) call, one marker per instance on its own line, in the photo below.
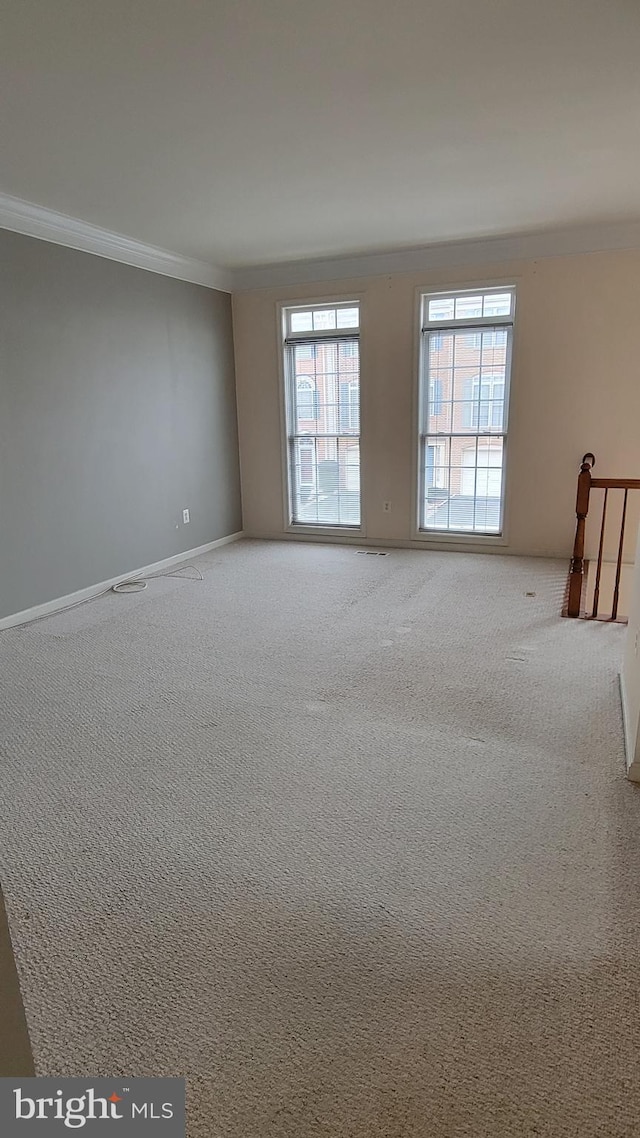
point(137, 1107)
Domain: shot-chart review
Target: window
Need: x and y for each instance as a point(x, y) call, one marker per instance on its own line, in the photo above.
point(306, 402)
point(305, 351)
point(435, 396)
point(350, 406)
point(465, 363)
point(482, 471)
point(477, 340)
point(349, 348)
point(483, 405)
point(306, 464)
point(322, 376)
point(434, 466)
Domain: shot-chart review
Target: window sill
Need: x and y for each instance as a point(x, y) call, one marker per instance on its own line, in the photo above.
point(451, 537)
point(325, 531)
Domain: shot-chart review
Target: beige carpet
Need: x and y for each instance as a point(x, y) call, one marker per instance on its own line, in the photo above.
point(344, 839)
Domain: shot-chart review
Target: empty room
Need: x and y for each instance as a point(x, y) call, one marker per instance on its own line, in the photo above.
point(320, 568)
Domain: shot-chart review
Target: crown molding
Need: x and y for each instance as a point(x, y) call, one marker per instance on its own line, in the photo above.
point(47, 225)
point(610, 237)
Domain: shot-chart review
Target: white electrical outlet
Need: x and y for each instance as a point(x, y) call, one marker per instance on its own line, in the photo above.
point(386, 507)
point(185, 517)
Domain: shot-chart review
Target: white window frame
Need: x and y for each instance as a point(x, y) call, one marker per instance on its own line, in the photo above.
point(284, 334)
point(449, 538)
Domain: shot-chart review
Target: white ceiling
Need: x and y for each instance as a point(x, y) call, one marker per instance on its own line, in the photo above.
point(247, 132)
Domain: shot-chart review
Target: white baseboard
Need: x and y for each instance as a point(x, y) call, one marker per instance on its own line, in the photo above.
point(400, 543)
point(60, 603)
point(633, 768)
point(625, 721)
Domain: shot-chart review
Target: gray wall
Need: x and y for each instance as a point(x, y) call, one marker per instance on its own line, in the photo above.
point(117, 409)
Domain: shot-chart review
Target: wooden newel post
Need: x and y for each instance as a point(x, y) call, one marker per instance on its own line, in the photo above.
point(577, 561)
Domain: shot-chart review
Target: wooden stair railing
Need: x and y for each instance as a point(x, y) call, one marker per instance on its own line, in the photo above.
point(586, 483)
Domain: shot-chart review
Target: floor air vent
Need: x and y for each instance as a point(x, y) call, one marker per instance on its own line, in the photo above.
point(372, 552)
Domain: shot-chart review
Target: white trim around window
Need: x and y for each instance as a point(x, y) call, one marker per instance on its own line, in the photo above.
point(444, 538)
point(284, 333)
